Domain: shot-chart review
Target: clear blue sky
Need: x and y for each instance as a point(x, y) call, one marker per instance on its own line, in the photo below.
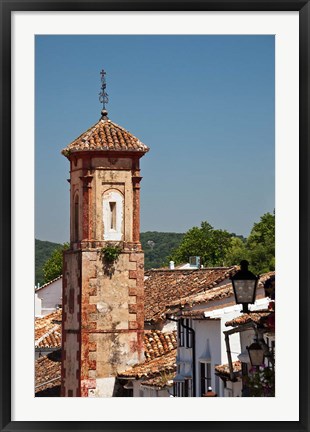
point(203, 104)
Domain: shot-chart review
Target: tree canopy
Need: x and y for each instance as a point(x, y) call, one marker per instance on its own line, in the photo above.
point(210, 244)
point(43, 250)
point(219, 247)
point(53, 266)
point(261, 244)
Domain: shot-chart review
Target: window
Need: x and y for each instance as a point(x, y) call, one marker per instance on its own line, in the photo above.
point(112, 215)
point(205, 377)
point(178, 388)
point(189, 334)
point(76, 218)
point(180, 333)
point(187, 388)
point(184, 334)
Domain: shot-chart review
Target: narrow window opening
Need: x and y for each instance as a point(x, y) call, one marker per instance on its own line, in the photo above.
point(112, 215)
point(180, 333)
point(205, 377)
point(76, 218)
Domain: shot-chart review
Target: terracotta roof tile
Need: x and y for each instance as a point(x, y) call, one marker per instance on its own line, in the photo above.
point(160, 356)
point(164, 379)
point(216, 293)
point(194, 313)
point(105, 135)
point(48, 373)
point(224, 369)
point(148, 369)
point(48, 330)
point(158, 343)
point(165, 287)
point(258, 317)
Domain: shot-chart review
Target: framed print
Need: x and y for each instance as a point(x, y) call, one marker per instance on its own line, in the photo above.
point(151, 40)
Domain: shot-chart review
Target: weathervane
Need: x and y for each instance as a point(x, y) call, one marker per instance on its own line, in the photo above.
point(103, 95)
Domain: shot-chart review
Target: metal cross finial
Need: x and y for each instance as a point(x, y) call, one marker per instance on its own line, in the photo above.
point(103, 95)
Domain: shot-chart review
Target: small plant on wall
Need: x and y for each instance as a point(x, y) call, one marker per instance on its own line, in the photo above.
point(110, 254)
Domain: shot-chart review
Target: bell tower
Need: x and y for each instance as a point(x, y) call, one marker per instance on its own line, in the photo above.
point(103, 271)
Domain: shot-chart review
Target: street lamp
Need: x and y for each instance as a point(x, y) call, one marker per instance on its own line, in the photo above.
point(244, 284)
point(256, 354)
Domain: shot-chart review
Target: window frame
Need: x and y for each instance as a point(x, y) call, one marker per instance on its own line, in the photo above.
point(205, 376)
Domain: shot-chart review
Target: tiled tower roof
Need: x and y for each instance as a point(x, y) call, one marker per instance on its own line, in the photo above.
point(106, 135)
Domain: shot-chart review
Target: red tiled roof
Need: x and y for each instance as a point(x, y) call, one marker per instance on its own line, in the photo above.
point(213, 294)
point(165, 287)
point(157, 343)
point(48, 330)
point(148, 369)
point(105, 136)
point(224, 369)
point(255, 317)
point(216, 293)
point(160, 356)
point(160, 381)
point(198, 314)
point(48, 373)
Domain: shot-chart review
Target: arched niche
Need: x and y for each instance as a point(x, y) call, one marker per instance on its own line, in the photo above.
point(113, 215)
point(76, 218)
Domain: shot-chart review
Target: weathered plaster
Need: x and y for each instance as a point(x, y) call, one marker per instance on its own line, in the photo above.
point(103, 303)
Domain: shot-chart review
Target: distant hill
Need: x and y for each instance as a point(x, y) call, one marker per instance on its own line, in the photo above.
point(43, 251)
point(156, 245)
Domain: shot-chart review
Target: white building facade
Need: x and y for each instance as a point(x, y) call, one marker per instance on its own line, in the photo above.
point(203, 347)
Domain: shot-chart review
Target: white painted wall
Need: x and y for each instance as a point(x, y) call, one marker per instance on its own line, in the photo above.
point(50, 296)
point(104, 387)
point(143, 391)
point(169, 327)
point(208, 347)
point(233, 389)
point(210, 341)
point(37, 306)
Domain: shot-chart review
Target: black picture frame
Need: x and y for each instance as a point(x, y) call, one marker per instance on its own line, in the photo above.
point(7, 7)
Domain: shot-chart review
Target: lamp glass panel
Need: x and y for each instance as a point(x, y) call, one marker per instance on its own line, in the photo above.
point(244, 290)
point(256, 356)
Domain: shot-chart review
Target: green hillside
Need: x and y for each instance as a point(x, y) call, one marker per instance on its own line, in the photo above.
point(43, 250)
point(156, 245)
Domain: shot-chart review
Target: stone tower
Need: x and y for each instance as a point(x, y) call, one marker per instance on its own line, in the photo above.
point(103, 271)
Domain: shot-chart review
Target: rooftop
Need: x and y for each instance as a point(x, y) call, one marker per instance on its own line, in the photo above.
point(223, 370)
point(48, 330)
point(48, 283)
point(106, 135)
point(48, 375)
point(160, 357)
point(166, 287)
point(257, 317)
point(158, 343)
point(216, 293)
point(149, 369)
point(160, 381)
